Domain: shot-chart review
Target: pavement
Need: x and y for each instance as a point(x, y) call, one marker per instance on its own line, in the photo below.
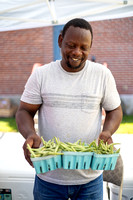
point(11, 142)
point(126, 146)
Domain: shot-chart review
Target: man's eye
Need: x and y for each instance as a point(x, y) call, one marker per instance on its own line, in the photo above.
point(85, 48)
point(71, 46)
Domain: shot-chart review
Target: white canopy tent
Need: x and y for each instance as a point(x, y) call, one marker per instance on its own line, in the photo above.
point(23, 14)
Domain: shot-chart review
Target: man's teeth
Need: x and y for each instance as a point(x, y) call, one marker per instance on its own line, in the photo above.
point(75, 59)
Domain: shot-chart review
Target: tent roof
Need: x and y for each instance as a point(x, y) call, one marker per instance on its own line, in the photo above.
point(18, 14)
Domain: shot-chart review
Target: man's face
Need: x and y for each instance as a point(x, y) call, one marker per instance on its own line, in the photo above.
point(75, 48)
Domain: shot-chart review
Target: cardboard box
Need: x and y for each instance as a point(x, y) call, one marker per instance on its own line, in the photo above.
point(5, 103)
point(8, 112)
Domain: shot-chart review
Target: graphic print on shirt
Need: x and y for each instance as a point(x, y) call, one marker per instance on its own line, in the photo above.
point(85, 102)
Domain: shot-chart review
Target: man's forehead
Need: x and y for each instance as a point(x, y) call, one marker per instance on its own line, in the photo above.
point(76, 31)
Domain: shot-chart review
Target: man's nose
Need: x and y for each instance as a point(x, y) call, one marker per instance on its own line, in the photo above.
point(77, 51)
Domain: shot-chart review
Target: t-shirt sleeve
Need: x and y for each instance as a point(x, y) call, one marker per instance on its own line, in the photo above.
point(32, 91)
point(111, 98)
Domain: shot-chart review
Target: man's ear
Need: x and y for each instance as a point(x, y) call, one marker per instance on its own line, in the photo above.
point(60, 38)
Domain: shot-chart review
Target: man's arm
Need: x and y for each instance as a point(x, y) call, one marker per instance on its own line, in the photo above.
point(25, 122)
point(112, 121)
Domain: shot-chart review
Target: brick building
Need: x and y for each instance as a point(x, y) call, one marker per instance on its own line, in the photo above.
point(20, 49)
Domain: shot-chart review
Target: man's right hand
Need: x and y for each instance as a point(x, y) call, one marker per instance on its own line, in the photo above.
point(25, 122)
point(34, 141)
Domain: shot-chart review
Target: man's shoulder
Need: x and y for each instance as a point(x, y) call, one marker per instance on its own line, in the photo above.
point(96, 66)
point(46, 67)
point(52, 63)
point(97, 69)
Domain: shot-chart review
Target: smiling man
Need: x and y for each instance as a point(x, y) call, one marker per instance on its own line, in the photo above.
point(75, 47)
point(69, 95)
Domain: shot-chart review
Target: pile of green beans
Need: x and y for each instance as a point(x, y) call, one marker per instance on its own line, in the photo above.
point(56, 147)
point(48, 148)
point(105, 148)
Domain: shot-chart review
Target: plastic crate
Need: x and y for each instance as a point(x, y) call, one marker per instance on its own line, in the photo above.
point(104, 161)
point(45, 164)
point(77, 160)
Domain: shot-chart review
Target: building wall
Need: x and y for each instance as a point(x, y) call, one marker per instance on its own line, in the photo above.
point(20, 49)
point(113, 43)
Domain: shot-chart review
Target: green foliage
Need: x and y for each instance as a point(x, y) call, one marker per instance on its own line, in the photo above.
point(126, 125)
point(8, 125)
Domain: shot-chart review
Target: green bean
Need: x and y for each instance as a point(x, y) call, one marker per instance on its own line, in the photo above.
point(30, 150)
point(56, 147)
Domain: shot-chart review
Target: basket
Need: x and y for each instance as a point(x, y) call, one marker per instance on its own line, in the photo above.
point(45, 164)
point(104, 161)
point(77, 160)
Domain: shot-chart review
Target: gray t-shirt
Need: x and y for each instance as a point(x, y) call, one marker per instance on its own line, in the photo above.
point(71, 108)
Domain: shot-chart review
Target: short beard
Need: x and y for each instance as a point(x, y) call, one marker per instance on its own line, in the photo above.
point(73, 67)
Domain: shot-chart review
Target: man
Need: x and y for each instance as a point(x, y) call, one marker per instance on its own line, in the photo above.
point(69, 96)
